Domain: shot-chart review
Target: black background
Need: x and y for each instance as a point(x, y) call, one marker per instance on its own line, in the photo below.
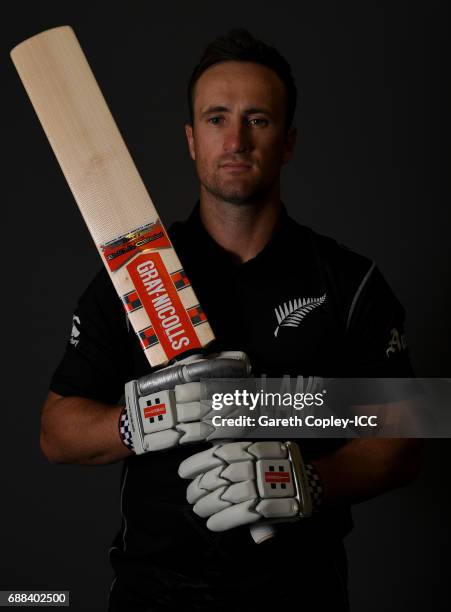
point(370, 170)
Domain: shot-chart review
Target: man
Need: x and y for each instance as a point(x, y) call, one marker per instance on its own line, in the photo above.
point(246, 259)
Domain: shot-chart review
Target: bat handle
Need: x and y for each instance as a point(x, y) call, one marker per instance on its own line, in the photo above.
point(260, 533)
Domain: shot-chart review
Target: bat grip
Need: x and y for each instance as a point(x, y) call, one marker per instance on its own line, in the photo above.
point(180, 374)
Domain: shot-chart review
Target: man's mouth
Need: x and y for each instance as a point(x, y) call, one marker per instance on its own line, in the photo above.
point(236, 166)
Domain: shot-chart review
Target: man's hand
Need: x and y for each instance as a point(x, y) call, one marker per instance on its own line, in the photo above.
point(244, 482)
point(164, 409)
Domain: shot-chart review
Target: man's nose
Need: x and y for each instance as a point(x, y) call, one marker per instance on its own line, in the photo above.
point(236, 138)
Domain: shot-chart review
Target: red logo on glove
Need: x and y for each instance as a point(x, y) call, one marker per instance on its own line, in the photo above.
point(277, 477)
point(153, 411)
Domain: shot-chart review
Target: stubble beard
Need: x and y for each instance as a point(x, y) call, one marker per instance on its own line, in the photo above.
point(238, 196)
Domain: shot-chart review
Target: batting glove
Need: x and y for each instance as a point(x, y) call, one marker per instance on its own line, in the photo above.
point(164, 409)
point(244, 482)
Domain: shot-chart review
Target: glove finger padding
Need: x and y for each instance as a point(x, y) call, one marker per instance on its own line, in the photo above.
point(243, 482)
point(189, 392)
point(214, 456)
point(193, 432)
point(234, 516)
point(245, 513)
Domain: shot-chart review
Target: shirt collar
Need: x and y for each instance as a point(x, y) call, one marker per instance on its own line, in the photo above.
point(203, 242)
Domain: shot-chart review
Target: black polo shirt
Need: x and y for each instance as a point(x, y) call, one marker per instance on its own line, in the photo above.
point(352, 325)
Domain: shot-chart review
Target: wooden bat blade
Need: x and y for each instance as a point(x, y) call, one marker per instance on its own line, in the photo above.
point(123, 222)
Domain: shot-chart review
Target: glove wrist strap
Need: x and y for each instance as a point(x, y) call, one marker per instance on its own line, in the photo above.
point(315, 485)
point(124, 430)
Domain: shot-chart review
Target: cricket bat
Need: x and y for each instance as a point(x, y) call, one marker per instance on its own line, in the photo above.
point(122, 220)
point(124, 224)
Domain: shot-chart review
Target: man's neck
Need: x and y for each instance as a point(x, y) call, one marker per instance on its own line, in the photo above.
point(243, 230)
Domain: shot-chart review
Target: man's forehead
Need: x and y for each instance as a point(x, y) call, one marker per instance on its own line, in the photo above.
point(239, 82)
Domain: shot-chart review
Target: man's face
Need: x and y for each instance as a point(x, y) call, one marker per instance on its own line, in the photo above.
point(239, 139)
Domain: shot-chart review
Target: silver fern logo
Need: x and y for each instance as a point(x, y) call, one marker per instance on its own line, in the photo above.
point(290, 314)
point(75, 333)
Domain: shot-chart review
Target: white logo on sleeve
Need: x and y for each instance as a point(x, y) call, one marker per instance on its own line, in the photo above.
point(397, 342)
point(290, 314)
point(75, 333)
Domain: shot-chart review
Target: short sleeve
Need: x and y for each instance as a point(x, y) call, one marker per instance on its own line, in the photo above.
point(377, 345)
point(96, 363)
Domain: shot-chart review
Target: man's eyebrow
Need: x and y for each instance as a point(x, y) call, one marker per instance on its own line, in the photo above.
point(215, 109)
point(254, 110)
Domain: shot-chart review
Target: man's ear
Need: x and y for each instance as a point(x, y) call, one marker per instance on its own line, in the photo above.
point(190, 138)
point(290, 142)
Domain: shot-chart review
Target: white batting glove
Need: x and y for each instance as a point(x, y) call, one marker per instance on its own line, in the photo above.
point(243, 482)
point(164, 409)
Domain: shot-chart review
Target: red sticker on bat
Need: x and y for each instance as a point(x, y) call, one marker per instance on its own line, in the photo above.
point(277, 477)
point(156, 290)
point(119, 251)
point(153, 411)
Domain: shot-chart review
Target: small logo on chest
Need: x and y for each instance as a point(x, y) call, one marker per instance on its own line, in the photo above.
point(290, 314)
point(397, 342)
point(75, 333)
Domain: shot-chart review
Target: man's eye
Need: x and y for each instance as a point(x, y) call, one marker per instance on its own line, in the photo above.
point(215, 120)
point(259, 122)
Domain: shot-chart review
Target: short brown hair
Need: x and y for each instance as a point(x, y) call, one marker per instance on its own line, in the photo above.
point(241, 46)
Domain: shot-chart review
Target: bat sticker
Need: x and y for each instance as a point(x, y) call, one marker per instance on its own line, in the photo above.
point(119, 251)
point(160, 299)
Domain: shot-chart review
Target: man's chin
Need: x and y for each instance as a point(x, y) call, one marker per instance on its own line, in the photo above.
point(237, 197)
